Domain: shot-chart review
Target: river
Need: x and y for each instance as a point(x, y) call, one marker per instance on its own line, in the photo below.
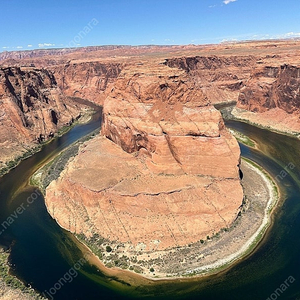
point(42, 252)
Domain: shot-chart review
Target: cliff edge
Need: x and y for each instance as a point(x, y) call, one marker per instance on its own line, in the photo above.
point(33, 109)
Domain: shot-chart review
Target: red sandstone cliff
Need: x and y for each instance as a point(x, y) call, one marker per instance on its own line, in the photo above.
point(164, 113)
point(270, 87)
point(271, 97)
point(166, 157)
point(32, 109)
point(87, 80)
point(219, 77)
point(165, 175)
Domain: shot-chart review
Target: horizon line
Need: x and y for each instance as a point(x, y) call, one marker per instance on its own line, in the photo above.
point(153, 45)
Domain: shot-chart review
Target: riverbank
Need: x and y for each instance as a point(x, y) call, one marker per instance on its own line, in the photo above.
point(252, 191)
point(11, 288)
point(223, 249)
point(83, 118)
point(275, 120)
point(205, 257)
point(243, 138)
point(52, 169)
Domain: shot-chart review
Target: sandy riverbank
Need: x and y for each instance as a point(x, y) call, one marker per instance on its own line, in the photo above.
point(275, 120)
point(268, 203)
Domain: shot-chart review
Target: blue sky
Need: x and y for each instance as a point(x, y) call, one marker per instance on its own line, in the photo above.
point(35, 24)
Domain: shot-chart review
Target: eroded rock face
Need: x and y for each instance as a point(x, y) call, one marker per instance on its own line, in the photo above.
point(87, 80)
point(272, 87)
point(220, 77)
point(271, 97)
point(164, 174)
point(168, 119)
point(107, 191)
point(32, 109)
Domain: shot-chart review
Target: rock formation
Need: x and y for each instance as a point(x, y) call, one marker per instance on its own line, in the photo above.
point(165, 173)
point(272, 96)
point(272, 87)
point(87, 80)
point(32, 109)
point(220, 77)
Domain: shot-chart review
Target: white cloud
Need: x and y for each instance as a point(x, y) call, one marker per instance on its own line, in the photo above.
point(29, 46)
point(228, 1)
point(292, 34)
point(5, 47)
point(19, 47)
point(230, 40)
point(46, 45)
point(288, 35)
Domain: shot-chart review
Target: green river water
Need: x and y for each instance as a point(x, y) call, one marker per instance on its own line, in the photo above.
point(42, 252)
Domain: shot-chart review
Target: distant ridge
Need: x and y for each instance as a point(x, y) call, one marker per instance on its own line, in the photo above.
point(23, 54)
point(37, 53)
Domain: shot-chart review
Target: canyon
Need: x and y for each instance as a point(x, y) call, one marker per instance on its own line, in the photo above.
point(271, 97)
point(165, 171)
point(33, 109)
point(165, 167)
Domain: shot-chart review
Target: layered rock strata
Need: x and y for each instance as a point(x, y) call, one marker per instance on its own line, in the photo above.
point(165, 173)
point(32, 110)
point(271, 97)
point(220, 77)
point(87, 80)
point(272, 87)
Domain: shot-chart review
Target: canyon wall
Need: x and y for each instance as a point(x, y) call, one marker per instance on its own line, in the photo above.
point(165, 171)
point(271, 97)
point(33, 108)
point(87, 80)
point(272, 87)
point(160, 111)
point(220, 77)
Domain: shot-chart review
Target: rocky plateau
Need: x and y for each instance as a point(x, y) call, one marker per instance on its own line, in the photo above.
point(164, 173)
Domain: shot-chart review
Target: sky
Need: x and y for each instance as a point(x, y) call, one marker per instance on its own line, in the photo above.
point(34, 24)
